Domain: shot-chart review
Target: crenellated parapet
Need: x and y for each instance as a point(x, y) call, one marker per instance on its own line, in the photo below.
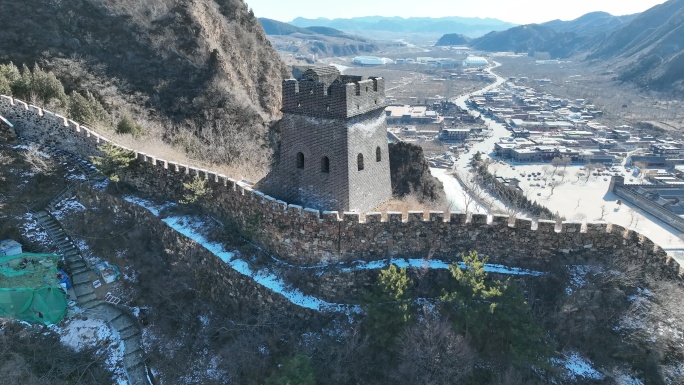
point(306, 236)
point(343, 98)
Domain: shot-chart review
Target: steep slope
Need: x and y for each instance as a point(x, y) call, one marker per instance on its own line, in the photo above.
point(591, 24)
point(453, 39)
point(316, 40)
point(528, 39)
point(202, 71)
point(410, 174)
point(650, 49)
point(443, 25)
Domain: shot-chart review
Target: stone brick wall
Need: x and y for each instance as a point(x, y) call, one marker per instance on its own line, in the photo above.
point(340, 141)
point(307, 236)
point(334, 153)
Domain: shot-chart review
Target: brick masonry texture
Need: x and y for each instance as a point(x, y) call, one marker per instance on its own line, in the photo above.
point(329, 122)
point(306, 236)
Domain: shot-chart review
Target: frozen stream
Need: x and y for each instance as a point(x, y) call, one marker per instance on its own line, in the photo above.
point(268, 278)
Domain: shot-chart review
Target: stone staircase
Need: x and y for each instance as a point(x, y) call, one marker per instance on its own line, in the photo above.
point(82, 277)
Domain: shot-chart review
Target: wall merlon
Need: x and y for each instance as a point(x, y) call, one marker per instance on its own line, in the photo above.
point(436, 216)
point(571, 227)
point(373, 217)
point(294, 210)
point(415, 216)
point(330, 216)
point(546, 226)
point(458, 219)
point(394, 217)
point(193, 172)
point(231, 184)
point(7, 99)
point(74, 125)
point(597, 228)
point(21, 104)
point(36, 110)
point(478, 219)
point(281, 206)
point(500, 220)
point(351, 217)
point(616, 229)
point(311, 214)
point(183, 169)
point(61, 120)
point(212, 176)
point(163, 163)
point(522, 224)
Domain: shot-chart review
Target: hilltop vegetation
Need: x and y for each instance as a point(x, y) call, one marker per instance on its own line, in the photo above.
point(200, 75)
point(453, 39)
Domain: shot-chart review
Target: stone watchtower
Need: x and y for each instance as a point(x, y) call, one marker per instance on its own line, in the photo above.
point(333, 150)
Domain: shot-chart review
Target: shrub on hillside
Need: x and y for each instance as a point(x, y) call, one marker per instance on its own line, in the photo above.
point(128, 126)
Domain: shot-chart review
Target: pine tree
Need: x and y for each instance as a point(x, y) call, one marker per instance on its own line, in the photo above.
point(113, 161)
point(194, 190)
point(387, 308)
point(495, 315)
point(87, 110)
point(296, 370)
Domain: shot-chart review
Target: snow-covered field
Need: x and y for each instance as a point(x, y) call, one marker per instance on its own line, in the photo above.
point(82, 334)
point(576, 200)
point(580, 200)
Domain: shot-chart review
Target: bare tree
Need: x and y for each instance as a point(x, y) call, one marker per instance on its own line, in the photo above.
point(589, 168)
point(433, 354)
point(39, 161)
point(566, 161)
point(603, 212)
point(556, 162)
point(562, 174)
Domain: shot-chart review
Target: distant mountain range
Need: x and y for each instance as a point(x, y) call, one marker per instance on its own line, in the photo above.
point(530, 39)
point(591, 24)
point(649, 50)
point(559, 38)
point(318, 40)
point(468, 26)
point(645, 48)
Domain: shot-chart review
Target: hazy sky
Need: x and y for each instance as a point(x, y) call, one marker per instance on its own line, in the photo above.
point(514, 11)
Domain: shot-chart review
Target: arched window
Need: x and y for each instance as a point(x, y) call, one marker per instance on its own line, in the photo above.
point(359, 161)
point(325, 165)
point(300, 160)
point(378, 154)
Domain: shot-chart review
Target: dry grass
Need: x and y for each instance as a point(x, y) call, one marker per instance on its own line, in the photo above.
point(409, 203)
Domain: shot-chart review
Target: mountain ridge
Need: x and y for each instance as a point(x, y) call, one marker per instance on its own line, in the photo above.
point(649, 51)
point(468, 26)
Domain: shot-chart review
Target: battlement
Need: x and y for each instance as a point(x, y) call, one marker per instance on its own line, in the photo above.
point(308, 236)
point(343, 97)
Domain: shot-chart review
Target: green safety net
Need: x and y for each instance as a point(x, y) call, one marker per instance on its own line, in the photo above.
point(30, 290)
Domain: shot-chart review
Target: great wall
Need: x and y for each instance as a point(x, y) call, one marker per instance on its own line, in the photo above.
point(305, 236)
